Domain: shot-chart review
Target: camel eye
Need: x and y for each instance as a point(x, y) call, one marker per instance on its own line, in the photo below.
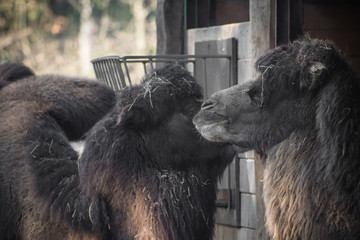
point(254, 93)
point(251, 92)
point(257, 95)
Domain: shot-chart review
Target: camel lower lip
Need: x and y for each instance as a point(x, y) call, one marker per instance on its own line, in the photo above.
point(212, 131)
point(213, 124)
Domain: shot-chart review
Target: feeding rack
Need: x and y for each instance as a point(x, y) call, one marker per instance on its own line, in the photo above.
point(114, 70)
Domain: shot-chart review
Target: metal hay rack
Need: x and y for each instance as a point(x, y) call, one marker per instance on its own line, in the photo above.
point(115, 70)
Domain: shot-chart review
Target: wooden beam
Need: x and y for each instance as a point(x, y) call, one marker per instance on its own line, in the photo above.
point(169, 27)
point(262, 36)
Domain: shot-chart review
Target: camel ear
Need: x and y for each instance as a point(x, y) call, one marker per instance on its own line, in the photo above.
point(312, 75)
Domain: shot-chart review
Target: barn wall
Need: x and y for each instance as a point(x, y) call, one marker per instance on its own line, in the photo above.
point(247, 191)
point(240, 31)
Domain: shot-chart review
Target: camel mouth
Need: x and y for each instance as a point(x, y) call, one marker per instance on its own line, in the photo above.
point(206, 118)
point(213, 131)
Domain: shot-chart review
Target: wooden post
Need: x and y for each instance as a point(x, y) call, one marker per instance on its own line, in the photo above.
point(170, 27)
point(262, 35)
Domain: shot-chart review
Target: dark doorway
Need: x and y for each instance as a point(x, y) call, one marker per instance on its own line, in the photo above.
point(206, 13)
point(336, 20)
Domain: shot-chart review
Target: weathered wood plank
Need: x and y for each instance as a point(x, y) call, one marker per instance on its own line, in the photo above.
point(228, 233)
point(247, 176)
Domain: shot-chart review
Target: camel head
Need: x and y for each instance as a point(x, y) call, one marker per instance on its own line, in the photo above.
point(282, 98)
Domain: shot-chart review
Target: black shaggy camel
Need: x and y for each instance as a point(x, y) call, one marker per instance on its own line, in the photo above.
point(302, 114)
point(145, 172)
point(60, 109)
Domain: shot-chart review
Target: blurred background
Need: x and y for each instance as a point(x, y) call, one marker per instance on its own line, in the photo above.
point(46, 34)
point(63, 36)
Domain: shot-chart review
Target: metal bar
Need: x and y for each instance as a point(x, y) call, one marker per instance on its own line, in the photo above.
point(108, 72)
point(233, 64)
point(168, 56)
point(151, 64)
point(144, 64)
point(230, 73)
point(112, 75)
point(127, 71)
point(97, 74)
point(205, 77)
point(97, 71)
point(237, 189)
point(116, 74)
point(229, 188)
point(121, 73)
point(103, 72)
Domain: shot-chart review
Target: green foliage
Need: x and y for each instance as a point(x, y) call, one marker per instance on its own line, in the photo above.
point(44, 33)
point(44, 14)
point(19, 15)
point(116, 10)
point(152, 15)
point(119, 11)
point(61, 7)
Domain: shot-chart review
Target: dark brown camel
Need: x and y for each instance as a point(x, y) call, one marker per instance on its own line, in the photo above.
point(302, 114)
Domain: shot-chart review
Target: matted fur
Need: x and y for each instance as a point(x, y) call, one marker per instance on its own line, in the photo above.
point(303, 115)
point(38, 117)
point(145, 173)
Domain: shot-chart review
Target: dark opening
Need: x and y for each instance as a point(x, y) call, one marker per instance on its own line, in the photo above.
point(289, 21)
point(336, 20)
point(205, 13)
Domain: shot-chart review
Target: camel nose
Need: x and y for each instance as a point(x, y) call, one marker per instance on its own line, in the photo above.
point(208, 104)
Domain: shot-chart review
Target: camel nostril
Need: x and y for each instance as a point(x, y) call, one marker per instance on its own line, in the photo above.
point(208, 104)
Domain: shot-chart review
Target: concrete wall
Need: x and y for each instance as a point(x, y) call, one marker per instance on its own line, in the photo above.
point(240, 31)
